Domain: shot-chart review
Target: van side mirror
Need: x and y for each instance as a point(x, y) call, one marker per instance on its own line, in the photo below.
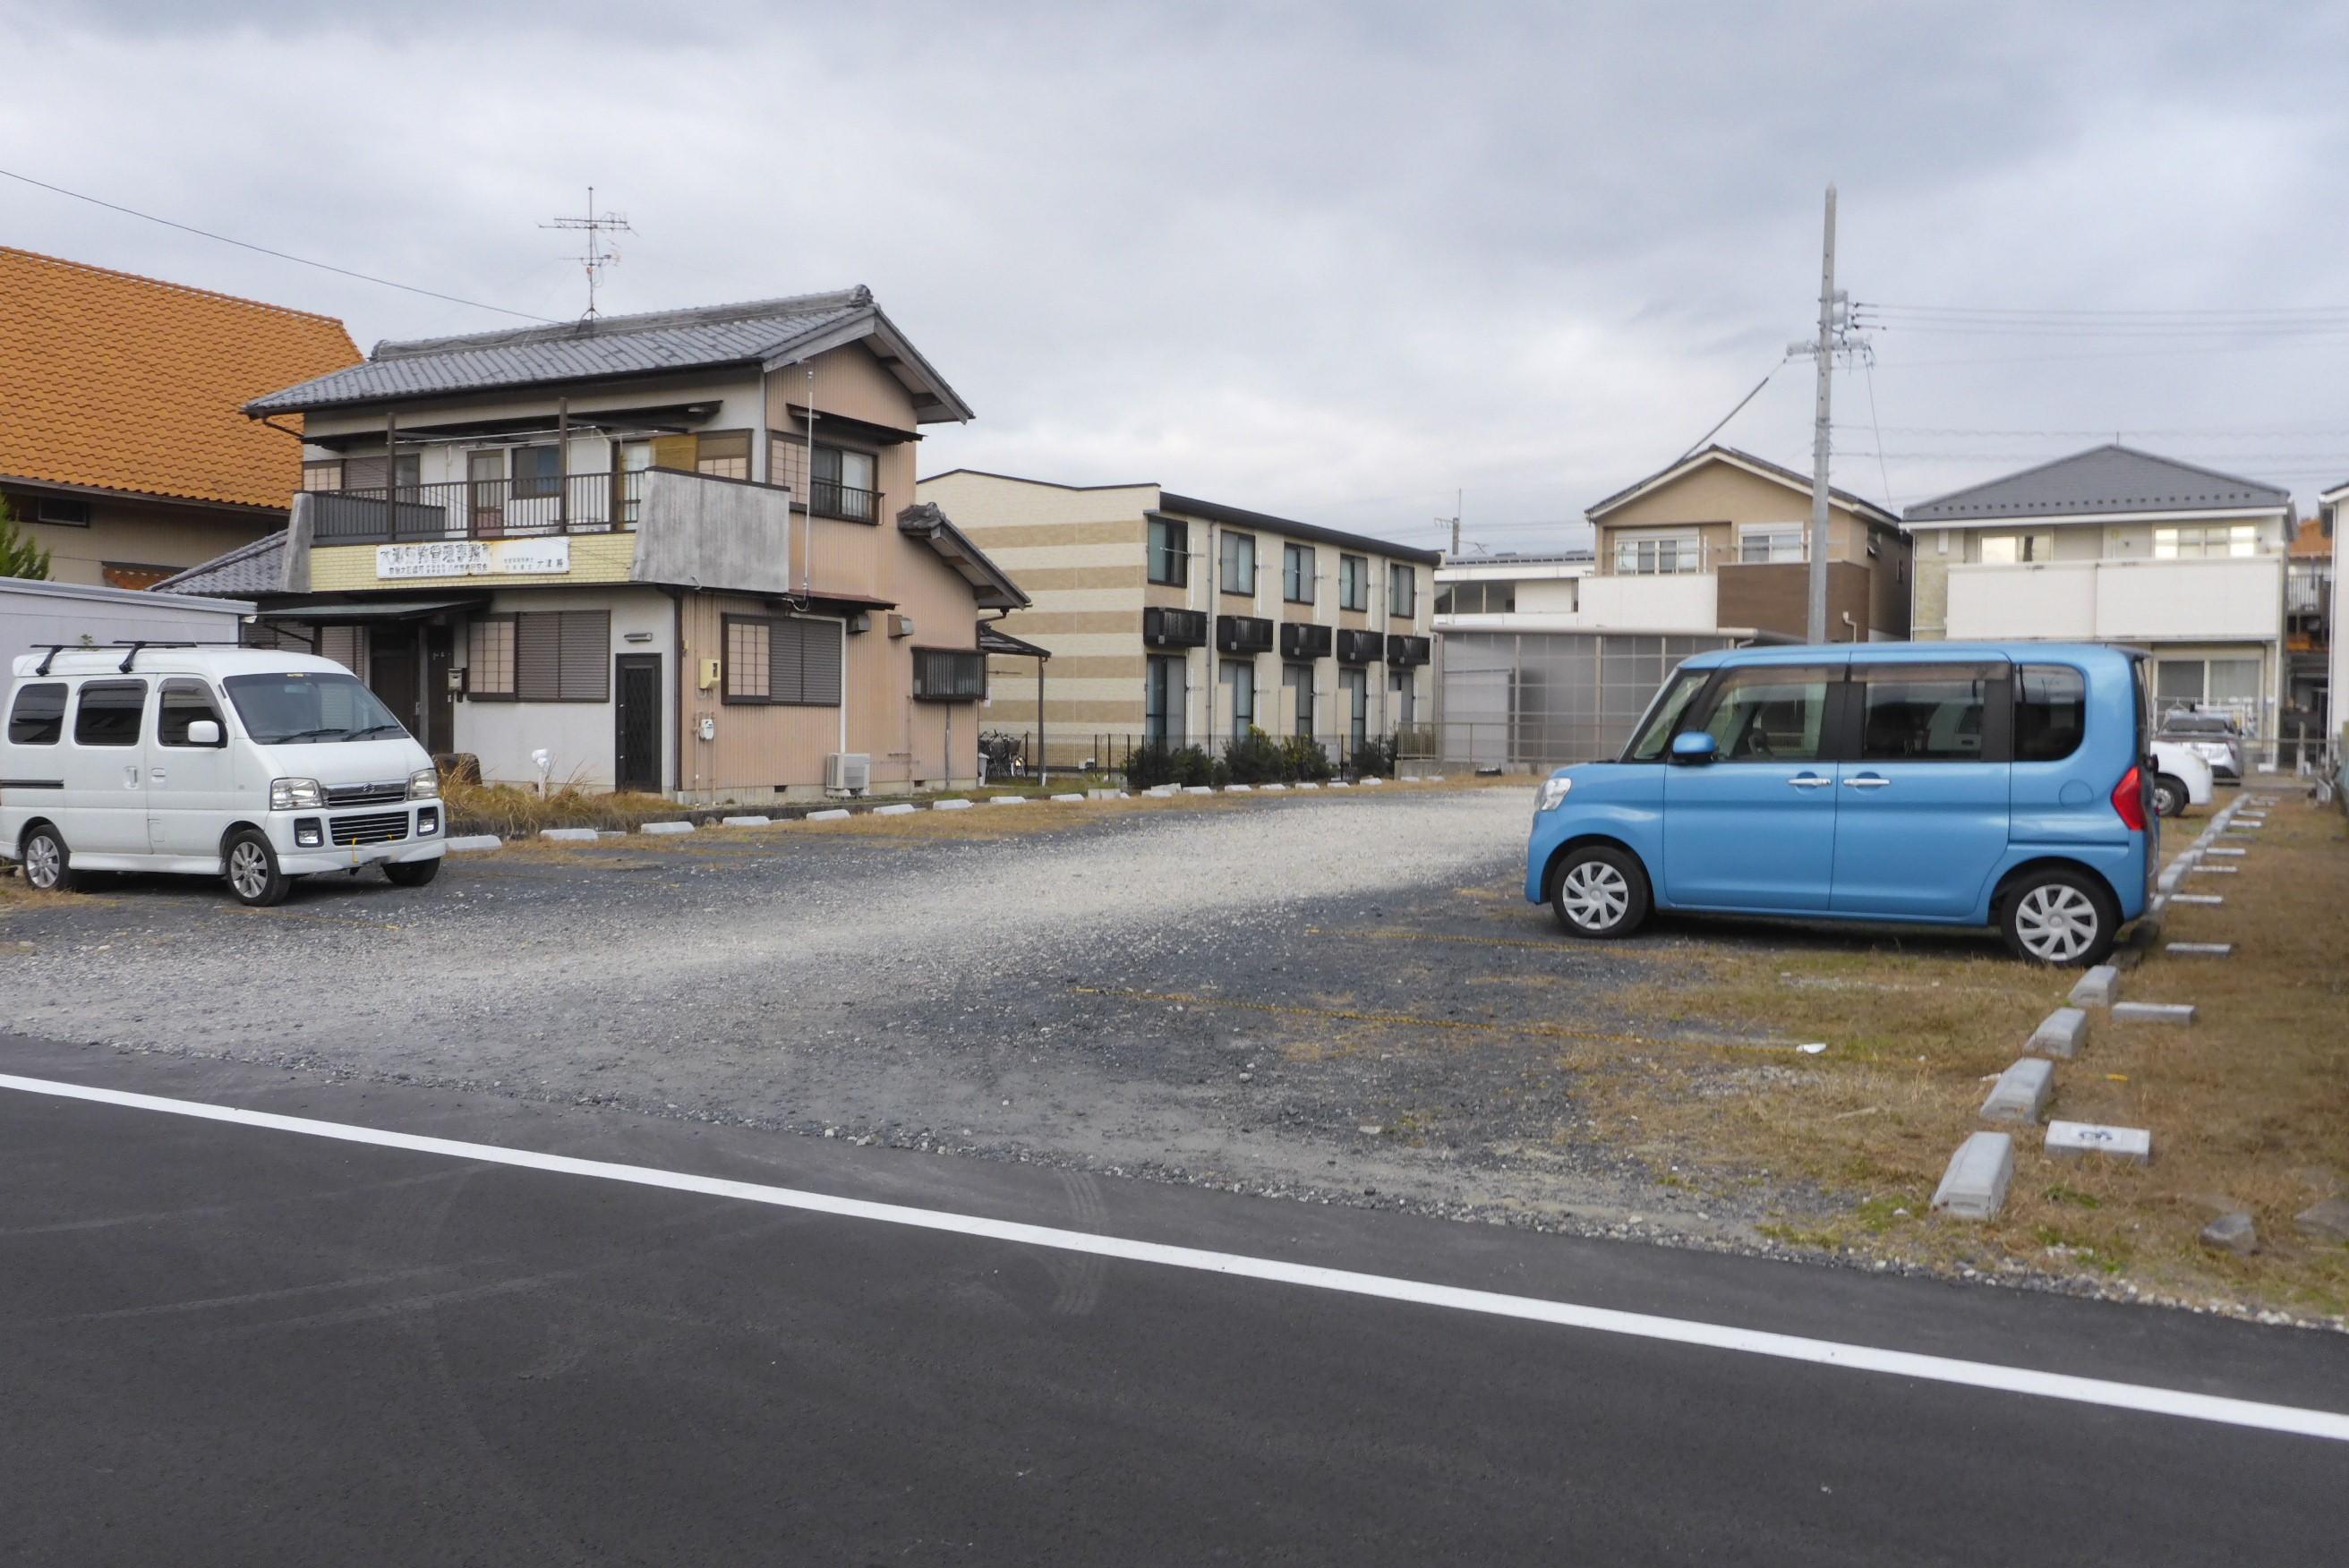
point(1695, 746)
point(203, 732)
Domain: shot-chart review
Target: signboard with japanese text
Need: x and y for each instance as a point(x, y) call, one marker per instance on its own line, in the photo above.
point(474, 558)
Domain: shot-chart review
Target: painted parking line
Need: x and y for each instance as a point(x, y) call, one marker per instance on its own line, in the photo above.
point(2333, 1426)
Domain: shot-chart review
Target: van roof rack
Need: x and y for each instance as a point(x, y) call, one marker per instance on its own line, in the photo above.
point(130, 650)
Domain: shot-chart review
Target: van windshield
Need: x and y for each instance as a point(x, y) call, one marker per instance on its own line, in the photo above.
point(290, 706)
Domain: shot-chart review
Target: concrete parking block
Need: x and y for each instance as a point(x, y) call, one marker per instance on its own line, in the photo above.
point(1071, 799)
point(1104, 794)
point(2022, 1091)
point(837, 814)
point(954, 805)
point(1006, 799)
point(1975, 1186)
point(1308, 786)
point(475, 845)
point(895, 808)
point(2168, 880)
point(1373, 781)
point(1406, 778)
point(2228, 851)
point(2232, 1233)
point(2065, 1139)
point(1239, 789)
point(568, 835)
point(2097, 987)
point(1338, 784)
point(2198, 898)
point(665, 827)
point(2325, 1222)
point(2213, 871)
point(2153, 1012)
point(1198, 789)
point(1276, 789)
point(745, 821)
point(2062, 1033)
point(2201, 949)
point(1435, 779)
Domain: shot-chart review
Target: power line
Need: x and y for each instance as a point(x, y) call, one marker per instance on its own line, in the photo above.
point(264, 249)
point(1739, 408)
point(2155, 313)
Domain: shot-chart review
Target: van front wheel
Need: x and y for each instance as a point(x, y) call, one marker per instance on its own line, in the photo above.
point(253, 873)
point(1600, 892)
point(2059, 917)
point(49, 865)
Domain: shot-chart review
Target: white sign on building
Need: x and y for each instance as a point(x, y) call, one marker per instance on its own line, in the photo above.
point(474, 558)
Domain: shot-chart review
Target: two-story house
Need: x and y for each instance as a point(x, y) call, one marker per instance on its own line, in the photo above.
point(122, 450)
point(1174, 621)
point(2116, 546)
point(675, 552)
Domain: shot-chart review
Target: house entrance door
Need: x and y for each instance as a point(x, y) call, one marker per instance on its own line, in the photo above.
point(636, 720)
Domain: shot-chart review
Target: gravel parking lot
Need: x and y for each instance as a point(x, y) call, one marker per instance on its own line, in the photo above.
point(1337, 997)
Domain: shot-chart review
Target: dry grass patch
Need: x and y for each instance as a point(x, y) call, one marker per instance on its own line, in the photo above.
point(511, 811)
point(2249, 1107)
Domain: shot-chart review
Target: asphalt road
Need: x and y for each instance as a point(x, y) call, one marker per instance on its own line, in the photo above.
point(235, 1344)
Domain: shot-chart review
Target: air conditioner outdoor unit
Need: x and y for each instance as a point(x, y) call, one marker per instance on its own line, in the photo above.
point(848, 771)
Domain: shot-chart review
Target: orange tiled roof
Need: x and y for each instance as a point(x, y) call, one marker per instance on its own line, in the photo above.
point(2312, 539)
point(126, 383)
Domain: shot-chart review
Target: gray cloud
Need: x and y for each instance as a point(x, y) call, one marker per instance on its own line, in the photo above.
point(1329, 261)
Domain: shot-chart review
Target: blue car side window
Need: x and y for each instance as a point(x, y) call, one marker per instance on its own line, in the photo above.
point(1768, 714)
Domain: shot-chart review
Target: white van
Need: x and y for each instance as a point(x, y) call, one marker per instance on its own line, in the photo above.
point(247, 763)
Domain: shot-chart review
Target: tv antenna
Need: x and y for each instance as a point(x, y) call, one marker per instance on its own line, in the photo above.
point(598, 255)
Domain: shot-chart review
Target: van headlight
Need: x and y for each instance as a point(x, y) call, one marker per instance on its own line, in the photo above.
point(424, 784)
point(1552, 793)
point(296, 795)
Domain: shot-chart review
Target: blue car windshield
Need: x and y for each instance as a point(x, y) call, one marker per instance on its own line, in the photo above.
point(1656, 731)
point(288, 706)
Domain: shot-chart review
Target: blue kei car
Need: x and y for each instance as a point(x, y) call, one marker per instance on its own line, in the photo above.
point(1951, 784)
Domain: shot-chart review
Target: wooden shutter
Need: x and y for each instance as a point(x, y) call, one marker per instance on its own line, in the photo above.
point(538, 655)
point(586, 662)
point(821, 674)
point(785, 660)
point(675, 453)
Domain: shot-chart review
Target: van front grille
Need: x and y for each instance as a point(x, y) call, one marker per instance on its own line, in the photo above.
point(367, 794)
point(381, 828)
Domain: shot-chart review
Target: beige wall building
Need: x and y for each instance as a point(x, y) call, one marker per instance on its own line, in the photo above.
point(709, 579)
point(1176, 621)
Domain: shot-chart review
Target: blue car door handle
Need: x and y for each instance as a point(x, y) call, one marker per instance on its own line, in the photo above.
point(1867, 782)
point(1809, 781)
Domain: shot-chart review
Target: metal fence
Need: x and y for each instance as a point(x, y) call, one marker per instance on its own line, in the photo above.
point(478, 508)
point(1010, 750)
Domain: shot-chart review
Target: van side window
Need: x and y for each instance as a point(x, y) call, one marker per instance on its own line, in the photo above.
point(1766, 714)
point(108, 713)
point(185, 701)
point(2051, 712)
point(39, 717)
point(1924, 713)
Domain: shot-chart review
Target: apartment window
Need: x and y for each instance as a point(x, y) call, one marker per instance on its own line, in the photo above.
point(1657, 554)
point(1353, 583)
point(541, 655)
point(327, 474)
point(1240, 697)
point(2220, 683)
point(1296, 573)
point(2017, 549)
point(1403, 589)
point(1354, 697)
point(1476, 599)
point(1404, 694)
point(1296, 680)
point(1239, 563)
point(183, 702)
point(723, 454)
point(108, 713)
point(2214, 539)
point(949, 674)
point(1162, 701)
point(845, 484)
point(537, 471)
point(1759, 543)
point(489, 657)
point(1767, 715)
point(1170, 551)
point(783, 660)
point(2049, 712)
point(367, 473)
point(39, 717)
point(1923, 713)
point(60, 512)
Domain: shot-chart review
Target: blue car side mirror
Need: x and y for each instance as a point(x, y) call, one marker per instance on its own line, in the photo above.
point(1695, 746)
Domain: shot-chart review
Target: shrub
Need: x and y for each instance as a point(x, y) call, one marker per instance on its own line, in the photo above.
point(1373, 758)
point(1148, 767)
point(1304, 760)
point(1256, 759)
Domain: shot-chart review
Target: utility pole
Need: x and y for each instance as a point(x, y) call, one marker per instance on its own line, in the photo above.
point(1835, 336)
point(1454, 521)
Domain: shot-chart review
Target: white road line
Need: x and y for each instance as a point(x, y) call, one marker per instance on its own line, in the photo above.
point(2327, 1424)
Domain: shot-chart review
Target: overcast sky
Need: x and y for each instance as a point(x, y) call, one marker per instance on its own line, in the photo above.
point(1332, 262)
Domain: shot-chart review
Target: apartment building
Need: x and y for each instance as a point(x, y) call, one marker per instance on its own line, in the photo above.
point(2118, 545)
point(675, 552)
point(122, 452)
point(1176, 621)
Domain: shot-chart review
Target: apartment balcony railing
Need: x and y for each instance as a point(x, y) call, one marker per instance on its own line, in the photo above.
point(2308, 588)
point(831, 499)
point(479, 509)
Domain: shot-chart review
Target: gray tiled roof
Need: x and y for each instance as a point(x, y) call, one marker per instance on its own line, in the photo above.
point(2107, 480)
point(249, 568)
point(613, 346)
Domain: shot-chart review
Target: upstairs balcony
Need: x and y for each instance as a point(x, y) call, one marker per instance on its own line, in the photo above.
point(482, 509)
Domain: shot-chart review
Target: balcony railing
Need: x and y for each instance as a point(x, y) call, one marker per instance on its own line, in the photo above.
point(2308, 588)
point(832, 498)
point(479, 509)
